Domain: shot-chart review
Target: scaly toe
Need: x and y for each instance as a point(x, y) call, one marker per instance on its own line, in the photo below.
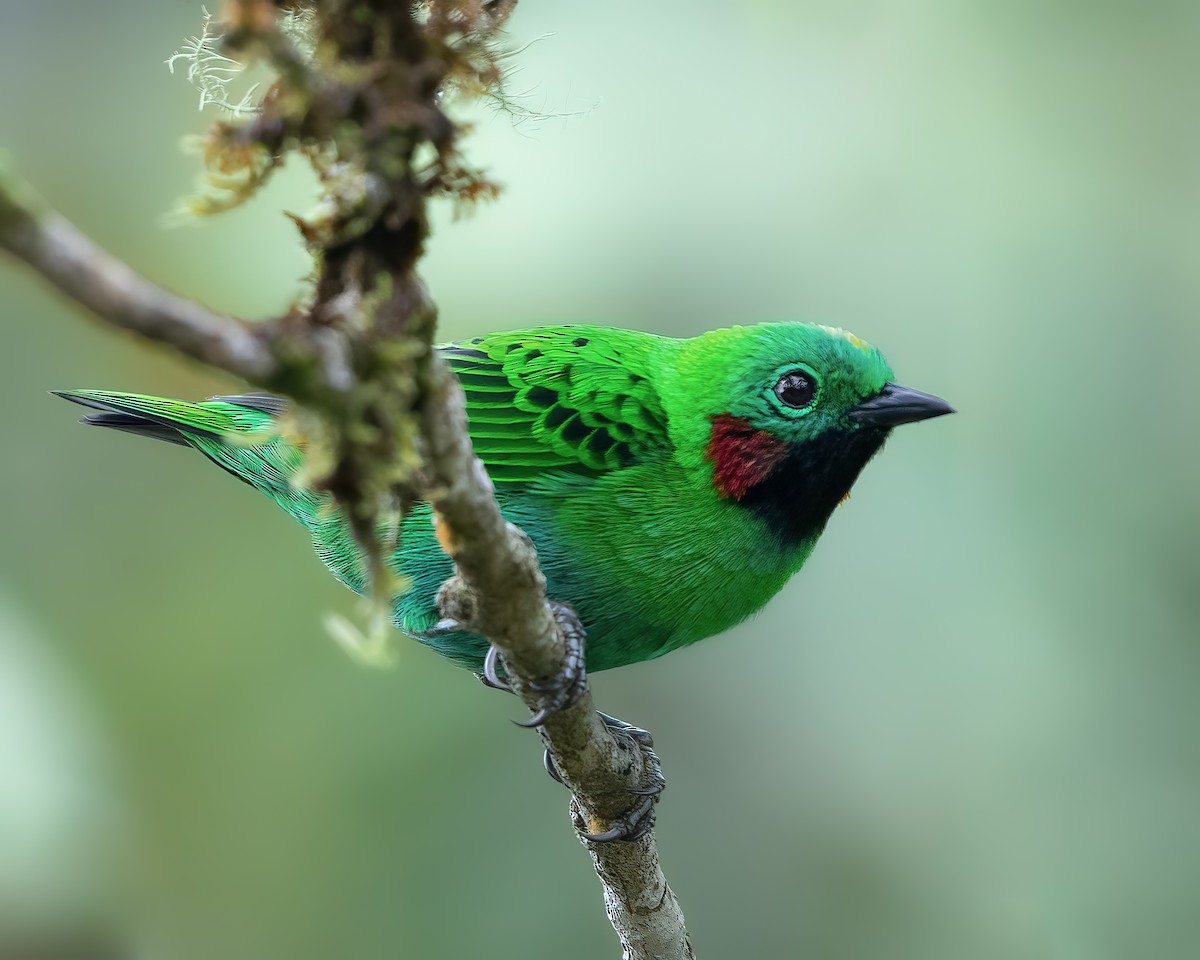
point(635, 823)
point(639, 819)
point(561, 691)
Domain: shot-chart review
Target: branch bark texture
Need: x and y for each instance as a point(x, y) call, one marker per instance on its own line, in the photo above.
point(358, 356)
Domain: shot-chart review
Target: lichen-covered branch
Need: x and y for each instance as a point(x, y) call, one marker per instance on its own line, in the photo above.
point(360, 103)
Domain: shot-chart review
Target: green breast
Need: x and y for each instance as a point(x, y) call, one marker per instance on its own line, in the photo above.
point(654, 560)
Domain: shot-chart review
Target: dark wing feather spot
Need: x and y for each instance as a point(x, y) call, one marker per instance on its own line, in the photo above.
point(600, 442)
point(575, 431)
point(542, 397)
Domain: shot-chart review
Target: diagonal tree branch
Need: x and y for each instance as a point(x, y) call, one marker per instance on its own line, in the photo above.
point(498, 566)
point(109, 289)
point(358, 357)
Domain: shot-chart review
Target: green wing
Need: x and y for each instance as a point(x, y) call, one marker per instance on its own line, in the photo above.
point(573, 399)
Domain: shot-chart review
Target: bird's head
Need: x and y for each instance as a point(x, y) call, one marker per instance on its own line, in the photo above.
point(789, 413)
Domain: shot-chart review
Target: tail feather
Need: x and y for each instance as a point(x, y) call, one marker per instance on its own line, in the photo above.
point(221, 418)
point(239, 434)
point(131, 423)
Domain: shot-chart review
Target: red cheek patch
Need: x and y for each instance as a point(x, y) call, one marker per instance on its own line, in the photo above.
point(742, 456)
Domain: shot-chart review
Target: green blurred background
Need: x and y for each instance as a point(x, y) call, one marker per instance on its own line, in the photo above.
point(969, 730)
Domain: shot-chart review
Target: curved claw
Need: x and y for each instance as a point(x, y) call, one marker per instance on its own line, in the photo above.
point(551, 767)
point(443, 626)
point(490, 676)
point(543, 714)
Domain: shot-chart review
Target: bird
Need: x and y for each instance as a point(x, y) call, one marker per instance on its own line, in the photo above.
point(671, 486)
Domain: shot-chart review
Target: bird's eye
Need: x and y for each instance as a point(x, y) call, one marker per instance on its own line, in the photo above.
point(796, 389)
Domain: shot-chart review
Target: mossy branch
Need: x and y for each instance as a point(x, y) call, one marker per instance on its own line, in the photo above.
point(362, 103)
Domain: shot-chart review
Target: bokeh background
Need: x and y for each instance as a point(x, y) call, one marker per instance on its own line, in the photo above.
point(969, 729)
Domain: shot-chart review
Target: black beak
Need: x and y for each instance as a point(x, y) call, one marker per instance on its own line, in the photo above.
point(894, 405)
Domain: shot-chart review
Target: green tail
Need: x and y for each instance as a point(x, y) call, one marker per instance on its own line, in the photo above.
point(248, 436)
point(239, 434)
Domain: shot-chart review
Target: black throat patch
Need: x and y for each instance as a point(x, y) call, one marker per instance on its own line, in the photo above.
point(796, 500)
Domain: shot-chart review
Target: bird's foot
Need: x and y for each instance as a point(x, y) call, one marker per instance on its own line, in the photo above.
point(561, 691)
point(639, 818)
point(558, 692)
